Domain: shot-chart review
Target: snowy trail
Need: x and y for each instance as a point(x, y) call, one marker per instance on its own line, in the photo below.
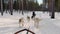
point(9, 24)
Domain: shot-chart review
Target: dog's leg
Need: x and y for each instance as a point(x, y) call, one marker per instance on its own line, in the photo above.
point(19, 24)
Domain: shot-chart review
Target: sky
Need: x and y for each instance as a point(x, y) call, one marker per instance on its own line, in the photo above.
point(40, 1)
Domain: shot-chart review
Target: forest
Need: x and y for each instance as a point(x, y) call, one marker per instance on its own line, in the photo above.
point(28, 5)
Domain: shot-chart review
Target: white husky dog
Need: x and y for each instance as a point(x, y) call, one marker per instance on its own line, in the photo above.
point(36, 22)
point(23, 20)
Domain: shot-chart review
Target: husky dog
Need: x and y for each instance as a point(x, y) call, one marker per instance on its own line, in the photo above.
point(36, 22)
point(21, 22)
point(28, 18)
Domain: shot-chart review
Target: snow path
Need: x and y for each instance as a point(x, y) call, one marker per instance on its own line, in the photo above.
point(9, 24)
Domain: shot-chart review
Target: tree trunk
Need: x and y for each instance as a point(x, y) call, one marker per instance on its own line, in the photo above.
point(19, 5)
point(27, 4)
point(2, 7)
point(22, 8)
point(53, 11)
point(51, 5)
point(11, 7)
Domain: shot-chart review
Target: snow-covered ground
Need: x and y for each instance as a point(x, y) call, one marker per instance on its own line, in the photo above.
point(9, 23)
